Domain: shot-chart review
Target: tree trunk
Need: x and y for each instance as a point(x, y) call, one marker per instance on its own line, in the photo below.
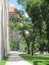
point(28, 49)
point(41, 48)
point(48, 46)
point(28, 44)
point(41, 51)
point(47, 35)
point(32, 49)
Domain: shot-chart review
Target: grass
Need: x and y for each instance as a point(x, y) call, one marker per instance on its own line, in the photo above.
point(3, 61)
point(36, 58)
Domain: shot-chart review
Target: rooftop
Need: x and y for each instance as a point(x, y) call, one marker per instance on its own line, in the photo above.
point(11, 8)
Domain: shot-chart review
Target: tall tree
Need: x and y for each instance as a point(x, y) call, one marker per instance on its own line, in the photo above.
point(37, 9)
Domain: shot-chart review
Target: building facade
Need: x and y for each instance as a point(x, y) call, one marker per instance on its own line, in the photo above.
point(13, 16)
point(4, 44)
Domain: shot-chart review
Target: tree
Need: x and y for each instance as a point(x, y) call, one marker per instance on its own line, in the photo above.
point(37, 11)
point(45, 14)
point(24, 30)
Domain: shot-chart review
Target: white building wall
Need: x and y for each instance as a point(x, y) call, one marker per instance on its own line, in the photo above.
point(1, 31)
point(8, 45)
point(3, 28)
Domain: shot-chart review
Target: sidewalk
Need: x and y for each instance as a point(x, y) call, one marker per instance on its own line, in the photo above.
point(15, 59)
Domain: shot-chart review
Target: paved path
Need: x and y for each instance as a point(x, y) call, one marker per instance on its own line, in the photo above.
point(15, 59)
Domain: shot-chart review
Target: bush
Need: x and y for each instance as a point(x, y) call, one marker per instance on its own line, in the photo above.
point(41, 63)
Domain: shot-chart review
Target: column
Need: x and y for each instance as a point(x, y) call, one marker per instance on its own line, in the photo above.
point(1, 31)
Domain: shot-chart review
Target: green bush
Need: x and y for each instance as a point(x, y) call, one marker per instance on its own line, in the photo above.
point(41, 63)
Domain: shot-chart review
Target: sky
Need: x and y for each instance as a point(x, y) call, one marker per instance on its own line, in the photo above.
point(19, 7)
point(14, 3)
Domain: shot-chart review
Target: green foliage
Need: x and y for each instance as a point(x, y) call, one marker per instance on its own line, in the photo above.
point(14, 44)
point(11, 26)
point(22, 45)
point(38, 11)
point(3, 61)
point(39, 63)
point(39, 19)
point(22, 2)
point(36, 59)
point(11, 42)
point(25, 2)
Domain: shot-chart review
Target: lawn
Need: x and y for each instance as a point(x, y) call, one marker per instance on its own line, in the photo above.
point(3, 61)
point(36, 59)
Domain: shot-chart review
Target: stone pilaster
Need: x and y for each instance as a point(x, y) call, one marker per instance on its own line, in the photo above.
point(1, 31)
point(4, 35)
